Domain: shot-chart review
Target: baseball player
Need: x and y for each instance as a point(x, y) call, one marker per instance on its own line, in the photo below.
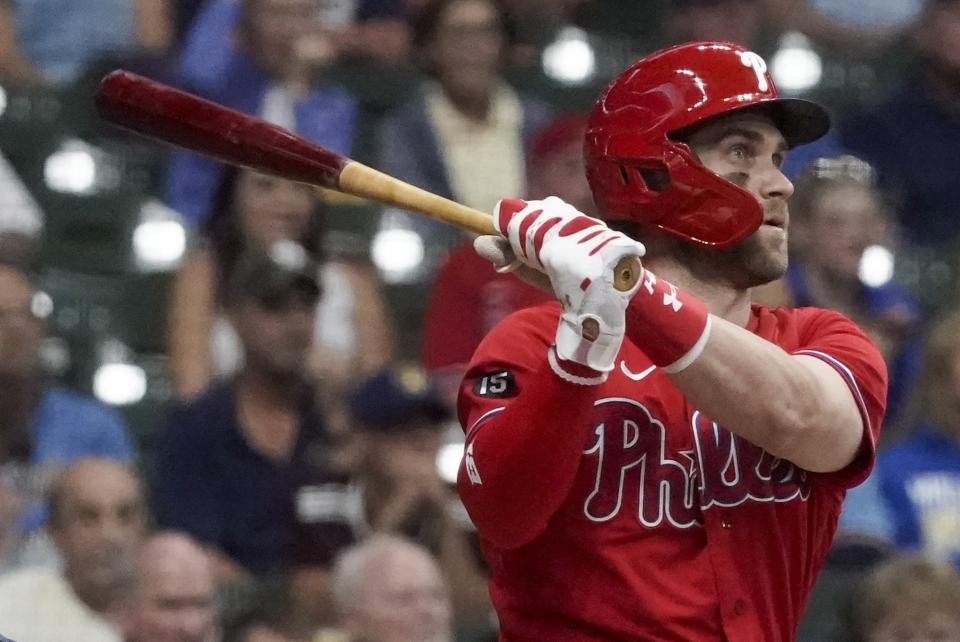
point(666, 461)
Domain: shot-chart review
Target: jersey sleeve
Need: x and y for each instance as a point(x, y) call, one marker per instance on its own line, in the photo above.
point(837, 341)
point(525, 430)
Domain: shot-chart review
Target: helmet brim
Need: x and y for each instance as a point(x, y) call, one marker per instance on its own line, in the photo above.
point(800, 121)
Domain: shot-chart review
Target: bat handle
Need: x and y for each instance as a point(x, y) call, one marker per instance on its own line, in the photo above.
point(366, 182)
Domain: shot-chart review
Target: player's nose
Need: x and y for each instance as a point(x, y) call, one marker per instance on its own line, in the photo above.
point(775, 184)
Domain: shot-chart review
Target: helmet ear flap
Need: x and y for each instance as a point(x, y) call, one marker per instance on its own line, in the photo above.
point(657, 179)
point(677, 195)
point(706, 208)
point(654, 179)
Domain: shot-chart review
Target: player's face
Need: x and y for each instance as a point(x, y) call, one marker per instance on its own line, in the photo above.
point(100, 523)
point(408, 457)
point(177, 604)
point(748, 150)
point(845, 221)
point(467, 48)
point(407, 603)
point(277, 332)
point(272, 29)
point(271, 209)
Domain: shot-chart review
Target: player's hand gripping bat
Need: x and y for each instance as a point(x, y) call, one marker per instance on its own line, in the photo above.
point(173, 116)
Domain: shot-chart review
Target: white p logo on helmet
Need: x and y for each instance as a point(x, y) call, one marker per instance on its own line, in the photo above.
point(759, 66)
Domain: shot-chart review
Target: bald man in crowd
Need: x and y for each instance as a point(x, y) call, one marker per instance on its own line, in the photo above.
point(388, 589)
point(174, 596)
point(97, 521)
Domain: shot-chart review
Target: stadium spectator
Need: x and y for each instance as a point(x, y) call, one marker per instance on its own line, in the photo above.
point(373, 29)
point(53, 41)
point(391, 590)
point(468, 293)
point(909, 599)
point(912, 138)
point(97, 520)
point(173, 599)
point(920, 477)
point(353, 335)
point(269, 74)
point(43, 427)
point(228, 459)
point(463, 134)
point(398, 423)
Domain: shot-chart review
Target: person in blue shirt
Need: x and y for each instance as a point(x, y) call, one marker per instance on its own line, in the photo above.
point(266, 66)
point(351, 26)
point(920, 476)
point(53, 42)
point(43, 427)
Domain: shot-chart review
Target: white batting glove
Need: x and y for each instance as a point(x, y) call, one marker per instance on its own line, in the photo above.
point(578, 254)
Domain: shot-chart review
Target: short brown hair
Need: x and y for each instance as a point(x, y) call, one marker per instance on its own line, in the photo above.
point(911, 586)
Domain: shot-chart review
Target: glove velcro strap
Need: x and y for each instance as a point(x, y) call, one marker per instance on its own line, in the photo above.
point(574, 372)
point(669, 325)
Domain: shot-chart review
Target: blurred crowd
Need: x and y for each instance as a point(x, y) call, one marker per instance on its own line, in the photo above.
point(228, 401)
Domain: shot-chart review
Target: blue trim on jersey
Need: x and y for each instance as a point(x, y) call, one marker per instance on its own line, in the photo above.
point(487, 415)
point(847, 375)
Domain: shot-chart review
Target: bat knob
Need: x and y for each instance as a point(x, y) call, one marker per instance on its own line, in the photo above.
point(626, 273)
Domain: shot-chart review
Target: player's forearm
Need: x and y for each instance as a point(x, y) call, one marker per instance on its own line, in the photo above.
point(524, 459)
point(795, 407)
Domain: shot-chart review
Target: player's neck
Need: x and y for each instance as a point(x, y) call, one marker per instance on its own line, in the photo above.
point(721, 298)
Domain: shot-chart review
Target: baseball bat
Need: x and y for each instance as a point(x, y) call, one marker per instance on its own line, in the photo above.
point(172, 116)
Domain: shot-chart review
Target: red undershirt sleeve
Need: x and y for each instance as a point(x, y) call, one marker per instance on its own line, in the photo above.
point(525, 430)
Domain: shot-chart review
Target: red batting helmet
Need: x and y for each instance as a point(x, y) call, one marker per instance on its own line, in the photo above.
point(638, 173)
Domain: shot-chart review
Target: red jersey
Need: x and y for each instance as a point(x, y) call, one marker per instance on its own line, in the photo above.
point(619, 512)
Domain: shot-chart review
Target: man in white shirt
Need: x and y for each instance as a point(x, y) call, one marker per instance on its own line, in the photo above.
point(97, 521)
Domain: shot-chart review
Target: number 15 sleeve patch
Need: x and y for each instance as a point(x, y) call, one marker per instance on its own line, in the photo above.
point(495, 385)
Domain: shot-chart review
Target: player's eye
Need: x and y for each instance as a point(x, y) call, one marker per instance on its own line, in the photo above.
point(739, 152)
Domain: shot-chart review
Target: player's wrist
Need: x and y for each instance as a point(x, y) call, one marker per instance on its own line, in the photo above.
point(671, 326)
point(572, 371)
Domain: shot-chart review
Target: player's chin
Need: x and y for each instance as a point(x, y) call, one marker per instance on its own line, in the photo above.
point(773, 242)
point(765, 262)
